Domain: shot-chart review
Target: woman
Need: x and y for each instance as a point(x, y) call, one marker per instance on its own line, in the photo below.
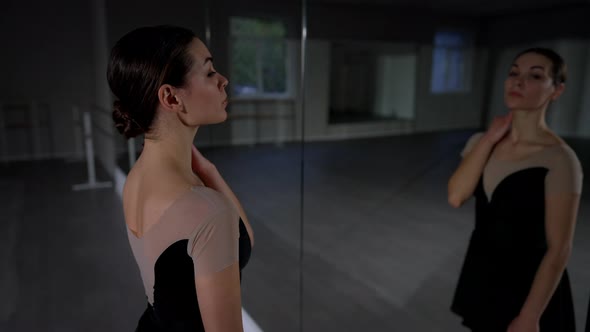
point(527, 184)
point(188, 231)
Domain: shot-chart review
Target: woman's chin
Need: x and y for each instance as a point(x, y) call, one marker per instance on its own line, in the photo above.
point(513, 105)
point(222, 116)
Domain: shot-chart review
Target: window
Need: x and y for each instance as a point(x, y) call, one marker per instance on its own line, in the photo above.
point(258, 57)
point(451, 63)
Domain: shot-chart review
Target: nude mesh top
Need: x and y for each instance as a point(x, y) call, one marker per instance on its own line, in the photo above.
point(205, 218)
point(564, 169)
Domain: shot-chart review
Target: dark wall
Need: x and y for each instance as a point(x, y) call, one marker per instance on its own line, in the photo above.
point(565, 22)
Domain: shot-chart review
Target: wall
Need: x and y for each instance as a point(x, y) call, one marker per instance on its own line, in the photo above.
point(105, 136)
point(47, 58)
point(583, 127)
point(563, 117)
point(396, 85)
point(60, 60)
point(436, 112)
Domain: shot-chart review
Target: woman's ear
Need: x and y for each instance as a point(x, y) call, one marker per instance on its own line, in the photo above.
point(558, 91)
point(168, 97)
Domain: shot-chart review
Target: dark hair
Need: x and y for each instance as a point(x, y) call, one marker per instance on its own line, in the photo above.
point(140, 62)
point(558, 66)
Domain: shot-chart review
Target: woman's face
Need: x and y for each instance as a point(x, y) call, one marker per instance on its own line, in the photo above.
point(203, 97)
point(529, 85)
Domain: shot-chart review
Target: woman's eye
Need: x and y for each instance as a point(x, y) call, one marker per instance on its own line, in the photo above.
point(211, 73)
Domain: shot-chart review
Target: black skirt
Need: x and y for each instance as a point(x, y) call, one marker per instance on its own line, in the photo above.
point(494, 284)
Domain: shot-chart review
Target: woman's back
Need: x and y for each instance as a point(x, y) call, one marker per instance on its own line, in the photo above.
point(177, 233)
point(149, 190)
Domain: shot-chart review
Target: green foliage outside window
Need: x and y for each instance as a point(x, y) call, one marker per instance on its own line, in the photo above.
point(258, 56)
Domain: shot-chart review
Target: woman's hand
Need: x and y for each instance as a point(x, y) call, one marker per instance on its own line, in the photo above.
point(211, 178)
point(524, 323)
point(199, 163)
point(499, 127)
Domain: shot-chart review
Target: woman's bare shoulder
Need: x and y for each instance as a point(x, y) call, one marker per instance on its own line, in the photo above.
point(148, 193)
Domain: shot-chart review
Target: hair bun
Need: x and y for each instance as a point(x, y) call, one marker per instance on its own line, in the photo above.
point(124, 123)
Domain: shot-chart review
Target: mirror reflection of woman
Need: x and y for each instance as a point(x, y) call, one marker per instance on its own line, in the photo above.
point(527, 183)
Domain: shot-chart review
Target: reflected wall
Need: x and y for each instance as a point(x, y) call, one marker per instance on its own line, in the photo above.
point(381, 84)
point(392, 92)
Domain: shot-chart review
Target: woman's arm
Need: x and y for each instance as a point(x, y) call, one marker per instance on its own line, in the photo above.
point(211, 177)
point(560, 218)
point(213, 247)
point(220, 300)
point(464, 180)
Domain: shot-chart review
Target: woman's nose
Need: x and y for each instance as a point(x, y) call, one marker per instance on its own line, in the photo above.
point(224, 81)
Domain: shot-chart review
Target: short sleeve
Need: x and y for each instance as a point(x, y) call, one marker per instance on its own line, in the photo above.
point(471, 142)
point(213, 245)
point(565, 173)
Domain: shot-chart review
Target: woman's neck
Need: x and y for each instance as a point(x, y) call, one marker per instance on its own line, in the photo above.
point(528, 126)
point(171, 148)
